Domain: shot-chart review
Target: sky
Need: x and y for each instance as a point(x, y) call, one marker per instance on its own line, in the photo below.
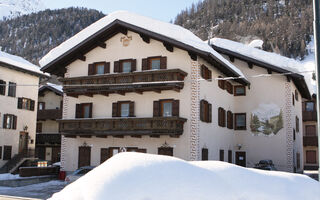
point(164, 10)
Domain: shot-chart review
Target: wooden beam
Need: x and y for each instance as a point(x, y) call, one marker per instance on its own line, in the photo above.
point(138, 91)
point(121, 93)
point(88, 94)
point(288, 79)
point(157, 91)
point(118, 136)
point(155, 136)
point(269, 71)
point(72, 95)
point(124, 31)
point(231, 58)
point(81, 57)
point(168, 46)
point(70, 136)
point(174, 136)
point(250, 65)
point(102, 45)
point(145, 38)
point(101, 136)
point(136, 136)
point(176, 89)
point(85, 136)
point(192, 55)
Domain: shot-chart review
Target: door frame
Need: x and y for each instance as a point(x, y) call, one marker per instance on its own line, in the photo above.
point(26, 136)
point(87, 147)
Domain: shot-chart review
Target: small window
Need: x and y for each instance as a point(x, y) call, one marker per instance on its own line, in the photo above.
point(205, 111)
point(229, 156)
point(221, 155)
point(293, 99)
point(239, 90)
point(124, 109)
point(126, 66)
point(221, 83)
point(84, 110)
point(2, 87)
point(221, 117)
point(297, 124)
point(99, 68)
point(12, 89)
point(240, 121)
point(296, 94)
point(167, 151)
point(39, 127)
point(204, 154)
point(229, 87)
point(9, 121)
point(309, 106)
point(166, 108)
point(41, 105)
point(294, 134)
point(154, 63)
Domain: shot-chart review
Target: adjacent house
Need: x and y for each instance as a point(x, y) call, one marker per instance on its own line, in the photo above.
point(48, 138)
point(132, 83)
point(19, 82)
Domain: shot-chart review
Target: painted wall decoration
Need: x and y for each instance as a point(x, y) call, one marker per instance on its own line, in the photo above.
point(266, 119)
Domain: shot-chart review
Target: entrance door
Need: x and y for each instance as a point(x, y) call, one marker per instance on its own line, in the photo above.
point(23, 142)
point(84, 156)
point(241, 158)
point(55, 154)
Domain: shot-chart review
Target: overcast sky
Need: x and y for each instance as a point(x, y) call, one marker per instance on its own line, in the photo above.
point(164, 10)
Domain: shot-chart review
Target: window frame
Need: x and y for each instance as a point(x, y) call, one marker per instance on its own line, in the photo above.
point(297, 124)
point(12, 121)
point(315, 156)
point(305, 106)
point(43, 105)
point(235, 121)
point(150, 59)
point(125, 61)
point(206, 73)
point(162, 102)
point(235, 90)
point(12, 89)
point(307, 133)
point(96, 64)
point(229, 87)
point(3, 87)
point(205, 111)
point(221, 117)
point(120, 103)
point(5, 149)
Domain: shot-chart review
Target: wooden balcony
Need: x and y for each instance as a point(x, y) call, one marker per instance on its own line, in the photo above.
point(121, 83)
point(309, 116)
point(52, 114)
point(310, 140)
point(50, 138)
point(153, 126)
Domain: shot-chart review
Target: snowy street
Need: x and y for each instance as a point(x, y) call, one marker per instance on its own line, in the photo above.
point(40, 191)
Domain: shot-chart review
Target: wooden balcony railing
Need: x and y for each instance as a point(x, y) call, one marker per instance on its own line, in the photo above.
point(309, 116)
point(172, 126)
point(52, 114)
point(50, 138)
point(142, 81)
point(310, 140)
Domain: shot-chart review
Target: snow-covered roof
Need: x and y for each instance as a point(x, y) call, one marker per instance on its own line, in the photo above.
point(168, 30)
point(20, 63)
point(53, 87)
point(141, 176)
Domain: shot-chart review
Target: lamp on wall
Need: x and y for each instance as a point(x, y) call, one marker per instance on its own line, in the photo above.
point(25, 128)
point(165, 145)
point(239, 146)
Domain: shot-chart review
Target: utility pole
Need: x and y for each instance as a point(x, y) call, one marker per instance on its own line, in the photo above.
point(316, 25)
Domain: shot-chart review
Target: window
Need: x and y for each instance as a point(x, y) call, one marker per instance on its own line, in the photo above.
point(229, 156)
point(27, 104)
point(221, 83)
point(310, 130)
point(39, 128)
point(12, 89)
point(206, 73)
point(240, 121)
point(123, 109)
point(311, 157)
point(204, 154)
point(41, 105)
point(99, 68)
point(9, 121)
point(294, 134)
point(293, 100)
point(166, 108)
point(126, 66)
point(0, 152)
point(229, 87)
point(298, 160)
point(296, 94)
point(156, 62)
point(309, 106)
point(2, 87)
point(205, 111)
point(239, 90)
point(221, 117)
point(84, 110)
point(297, 124)
point(221, 155)
point(229, 120)
point(7, 152)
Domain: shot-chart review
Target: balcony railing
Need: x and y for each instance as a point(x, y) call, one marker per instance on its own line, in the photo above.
point(310, 140)
point(50, 138)
point(142, 81)
point(309, 116)
point(52, 114)
point(172, 126)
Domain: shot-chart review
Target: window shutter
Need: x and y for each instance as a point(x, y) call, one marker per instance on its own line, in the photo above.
point(0, 152)
point(2, 87)
point(116, 66)
point(202, 71)
point(90, 69)
point(5, 121)
point(90, 110)
point(175, 108)
point(223, 118)
point(209, 112)
point(303, 106)
point(115, 109)
point(163, 63)
point(209, 75)
point(32, 102)
point(14, 122)
point(107, 67)
point(131, 109)
point(133, 65)
point(19, 103)
point(202, 118)
point(145, 64)
point(78, 111)
point(104, 155)
point(156, 109)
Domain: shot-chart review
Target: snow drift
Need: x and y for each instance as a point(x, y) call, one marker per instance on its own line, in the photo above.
point(138, 176)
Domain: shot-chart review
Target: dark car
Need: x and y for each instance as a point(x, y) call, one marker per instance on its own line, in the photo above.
point(265, 165)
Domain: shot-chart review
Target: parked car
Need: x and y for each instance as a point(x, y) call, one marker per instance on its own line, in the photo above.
point(265, 165)
point(78, 173)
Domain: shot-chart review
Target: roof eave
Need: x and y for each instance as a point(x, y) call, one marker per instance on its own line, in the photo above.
point(10, 66)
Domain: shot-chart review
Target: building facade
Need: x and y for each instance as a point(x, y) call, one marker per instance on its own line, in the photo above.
point(130, 88)
point(48, 139)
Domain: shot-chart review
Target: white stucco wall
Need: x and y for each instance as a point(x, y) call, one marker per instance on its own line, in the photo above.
point(52, 100)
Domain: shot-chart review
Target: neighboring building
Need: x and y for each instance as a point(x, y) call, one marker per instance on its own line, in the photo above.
point(19, 82)
point(310, 137)
point(48, 138)
point(132, 83)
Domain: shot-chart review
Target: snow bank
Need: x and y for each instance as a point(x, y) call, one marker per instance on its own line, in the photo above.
point(8, 176)
point(256, 44)
point(169, 30)
point(138, 176)
point(19, 62)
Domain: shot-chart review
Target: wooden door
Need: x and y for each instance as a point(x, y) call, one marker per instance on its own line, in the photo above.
point(168, 151)
point(23, 142)
point(55, 154)
point(241, 158)
point(104, 155)
point(84, 156)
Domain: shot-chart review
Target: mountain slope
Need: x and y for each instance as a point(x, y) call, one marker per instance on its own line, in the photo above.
point(14, 8)
point(284, 26)
point(32, 36)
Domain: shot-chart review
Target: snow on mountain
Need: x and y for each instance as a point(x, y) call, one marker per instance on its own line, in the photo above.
point(14, 8)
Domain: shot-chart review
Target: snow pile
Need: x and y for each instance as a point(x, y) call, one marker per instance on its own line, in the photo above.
point(57, 87)
point(138, 176)
point(169, 30)
point(256, 44)
point(19, 62)
point(8, 176)
point(14, 8)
